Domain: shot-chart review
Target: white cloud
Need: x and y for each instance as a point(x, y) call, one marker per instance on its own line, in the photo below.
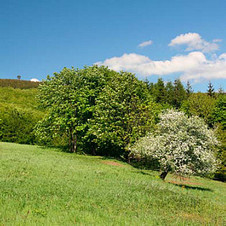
point(146, 43)
point(193, 66)
point(194, 41)
point(34, 80)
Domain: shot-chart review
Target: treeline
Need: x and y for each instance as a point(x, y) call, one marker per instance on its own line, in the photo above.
point(102, 112)
point(17, 83)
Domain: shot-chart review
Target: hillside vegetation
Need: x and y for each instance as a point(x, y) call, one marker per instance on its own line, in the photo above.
point(19, 113)
point(16, 83)
point(41, 186)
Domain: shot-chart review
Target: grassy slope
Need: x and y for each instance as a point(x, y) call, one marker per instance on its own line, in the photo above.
point(46, 187)
point(20, 98)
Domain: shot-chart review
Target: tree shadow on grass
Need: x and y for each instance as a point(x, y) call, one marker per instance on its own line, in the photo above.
point(184, 186)
point(56, 148)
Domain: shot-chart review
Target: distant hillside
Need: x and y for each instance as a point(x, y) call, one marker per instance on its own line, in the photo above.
point(15, 83)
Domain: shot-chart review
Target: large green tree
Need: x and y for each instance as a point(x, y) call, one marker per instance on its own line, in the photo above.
point(124, 112)
point(96, 109)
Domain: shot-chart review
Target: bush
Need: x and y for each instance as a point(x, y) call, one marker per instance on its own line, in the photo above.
point(181, 145)
point(17, 125)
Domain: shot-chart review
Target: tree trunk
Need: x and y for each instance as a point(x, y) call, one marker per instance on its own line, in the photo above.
point(163, 175)
point(74, 143)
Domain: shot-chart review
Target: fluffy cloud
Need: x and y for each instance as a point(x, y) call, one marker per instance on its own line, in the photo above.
point(194, 41)
point(34, 80)
point(146, 43)
point(193, 66)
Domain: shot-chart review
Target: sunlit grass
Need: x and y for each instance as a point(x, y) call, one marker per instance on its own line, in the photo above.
point(47, 187)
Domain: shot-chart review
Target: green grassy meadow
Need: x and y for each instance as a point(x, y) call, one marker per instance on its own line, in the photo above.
point(44, 186)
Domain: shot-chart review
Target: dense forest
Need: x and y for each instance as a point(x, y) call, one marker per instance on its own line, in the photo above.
point(101, 112)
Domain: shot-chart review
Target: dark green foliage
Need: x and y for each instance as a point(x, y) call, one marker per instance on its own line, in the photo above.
point(221, 154)
point(179, 94)
point(219, 118)
point(159, 91)
point(169, 94)
point(219, 111)
point(17, 83)
point(210, 90)
point(188, 89)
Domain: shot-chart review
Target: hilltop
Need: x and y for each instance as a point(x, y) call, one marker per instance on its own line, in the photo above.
point(16, 83)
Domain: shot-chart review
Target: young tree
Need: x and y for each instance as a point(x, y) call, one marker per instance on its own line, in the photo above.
point(181, 145)
point(210, 90)
point(188, 89)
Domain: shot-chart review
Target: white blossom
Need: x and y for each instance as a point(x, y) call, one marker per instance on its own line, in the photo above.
point(181, 144)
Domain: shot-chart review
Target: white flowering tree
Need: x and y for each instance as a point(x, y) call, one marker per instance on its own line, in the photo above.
point(181, 144)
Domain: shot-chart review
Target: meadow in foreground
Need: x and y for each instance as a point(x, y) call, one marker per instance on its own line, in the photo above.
point(43, 186)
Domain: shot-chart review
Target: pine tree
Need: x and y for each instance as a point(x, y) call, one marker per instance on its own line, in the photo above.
point(160, 91)
point(170, 93)
point(179, 93)
point(210, 91)
point(188, 89)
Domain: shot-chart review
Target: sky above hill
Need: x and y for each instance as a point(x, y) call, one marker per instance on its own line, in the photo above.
point(151, 38)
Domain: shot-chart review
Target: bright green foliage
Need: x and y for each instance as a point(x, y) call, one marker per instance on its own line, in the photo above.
point(17, 125)
point(43, 186)
point(124, 112)
point(69, 97)
point(18, 115)
point(96, 108)
point(200, 104)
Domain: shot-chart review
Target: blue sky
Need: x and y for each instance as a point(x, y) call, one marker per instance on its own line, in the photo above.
point(188, 38)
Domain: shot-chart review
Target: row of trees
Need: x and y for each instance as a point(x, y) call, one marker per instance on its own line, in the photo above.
point(174, 93)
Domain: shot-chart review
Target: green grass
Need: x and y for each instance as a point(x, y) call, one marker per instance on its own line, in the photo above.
point(20, 98)
point(41, 186)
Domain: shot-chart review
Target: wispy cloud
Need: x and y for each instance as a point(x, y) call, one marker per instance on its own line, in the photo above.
point(194, 41)
point(146, 43)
